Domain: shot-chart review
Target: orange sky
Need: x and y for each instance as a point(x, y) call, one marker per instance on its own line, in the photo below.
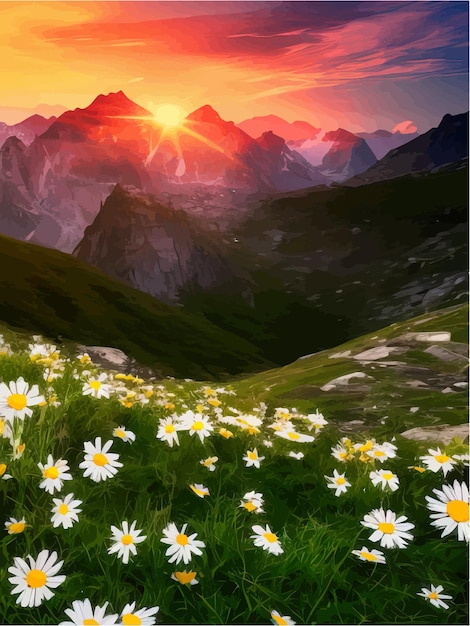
point(363, 66)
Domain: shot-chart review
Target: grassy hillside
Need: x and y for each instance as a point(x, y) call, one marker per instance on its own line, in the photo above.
point(413, 386)
point(59, 296)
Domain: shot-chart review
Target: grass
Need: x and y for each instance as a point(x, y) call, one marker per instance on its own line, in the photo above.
point(316, 580)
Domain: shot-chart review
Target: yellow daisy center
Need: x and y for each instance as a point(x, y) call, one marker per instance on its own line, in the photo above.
point(100, 459)
point(127, 540)
point(214, 402)
point(387, 475)
point(226, 433)
point(442, 458)
point(185, 577)
point(120, 433)
point(198, 492)
point(271, 537)
point(169, 428)
point(386, 528)
point(293, 435)
point(16, 528)
point(379, 453)
point(198, 425)
point(36, 578)
point(252, 456)
point(433, 595)
point(90, 622)
point(367, 446)
point(95, 384)
point(249, 506)
point(343, 455)
point(279, 620)
point(3, 467)
point(368, 556)
point(458, 510)
point(131, 619)
point(340, 480)
point(63, 509)
point(51, 472)
point(17, 401)
point(182, 539)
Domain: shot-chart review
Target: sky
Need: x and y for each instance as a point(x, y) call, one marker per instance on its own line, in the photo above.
point(356, 65)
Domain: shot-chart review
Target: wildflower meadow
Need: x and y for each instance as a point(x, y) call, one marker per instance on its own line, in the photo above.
point(131, 501)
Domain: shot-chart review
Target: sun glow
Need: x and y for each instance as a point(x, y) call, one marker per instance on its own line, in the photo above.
point(168, 114)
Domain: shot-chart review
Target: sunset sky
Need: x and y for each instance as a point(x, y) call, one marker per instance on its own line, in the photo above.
point(359, 65)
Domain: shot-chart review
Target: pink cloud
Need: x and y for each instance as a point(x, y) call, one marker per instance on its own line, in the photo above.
point(405, 128)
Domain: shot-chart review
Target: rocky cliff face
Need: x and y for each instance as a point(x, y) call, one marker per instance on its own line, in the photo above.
point(349, 155)
point(151, 247)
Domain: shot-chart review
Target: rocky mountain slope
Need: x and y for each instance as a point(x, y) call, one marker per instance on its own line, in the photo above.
point(446, 144)
point(153, 247)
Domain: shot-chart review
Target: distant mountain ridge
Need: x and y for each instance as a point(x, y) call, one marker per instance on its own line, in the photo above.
point(70, 169)
point(27, 129)
point(446, 144)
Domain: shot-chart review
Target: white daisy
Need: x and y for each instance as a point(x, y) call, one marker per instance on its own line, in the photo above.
point(196, 423)
point(392, 532)
point(293, 435)
point(252, 502)
point(338, 482)
point(317, 421)
point(33, 581)
point(99, 464)
point(65, 511)
point(209, 462)
point(181, 546)
point(200, 490)
point(437, 460)
point(385, 478)
point(281, 620)
point(96, 387)
point(341, 453)
point(125, 539)
point(435, 596)
point(125, 435)
point(267, 540)
point(16, 398)
point(15, 526)
point(252, 458)
point(382, 451)
point(296, 455)
point(185, 578)
point(462, 458)
point(451, 510)
point(373, 556)
point(54, 473)
point(167, 431)
point(83, 613)
point(142, 617)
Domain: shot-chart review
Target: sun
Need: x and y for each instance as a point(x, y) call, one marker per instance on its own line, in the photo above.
point(168, 114)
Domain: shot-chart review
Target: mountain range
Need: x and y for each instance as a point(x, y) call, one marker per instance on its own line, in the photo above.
point(242, 229)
